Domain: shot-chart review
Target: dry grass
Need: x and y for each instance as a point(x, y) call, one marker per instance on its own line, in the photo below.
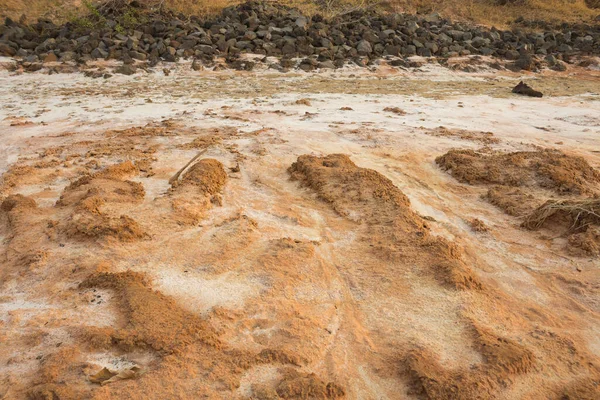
point(581, 213)
point(486, 12)
point(489, 12)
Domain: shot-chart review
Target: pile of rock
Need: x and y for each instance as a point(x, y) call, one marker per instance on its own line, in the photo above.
point(275, 30)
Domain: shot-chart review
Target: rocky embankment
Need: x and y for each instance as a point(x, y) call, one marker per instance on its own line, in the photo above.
point(299, 41)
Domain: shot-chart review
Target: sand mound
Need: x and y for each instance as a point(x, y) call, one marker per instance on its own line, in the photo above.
point(586, 243)
point(550, 169)
point(94, 226)
point(390, 231)
point(94, 199)
point(185, 342)
point(153, 320)
point(295, 385)
point(355, 192)
point(202, 142)
point(17, 201)
point(207, 174)
point(197, 190)
point(503, 358)
point(395, 231)
point(579, 218)
point(513, 201)
point(521, 181)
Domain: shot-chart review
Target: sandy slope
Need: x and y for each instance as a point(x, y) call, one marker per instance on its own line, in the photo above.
point(266, 275)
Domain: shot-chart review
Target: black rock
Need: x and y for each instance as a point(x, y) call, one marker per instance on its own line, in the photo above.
point(525, 90)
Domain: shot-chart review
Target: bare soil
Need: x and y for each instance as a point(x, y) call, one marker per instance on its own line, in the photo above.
point(230, 246)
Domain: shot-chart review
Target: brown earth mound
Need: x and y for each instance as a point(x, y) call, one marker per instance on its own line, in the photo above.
point(185, 348)
point(89, 195)
point(153, 320)
point(186, 344)
point(586, 243)
point(195, 192)
point(578, 218)
point(550, 169)
point(295, 385)
point(202, 142)
point(513, 201)
point(207, 174)
point(17, 201)
point(518, 179)
point(399, 238)
point(395, 231)
point(503, 358)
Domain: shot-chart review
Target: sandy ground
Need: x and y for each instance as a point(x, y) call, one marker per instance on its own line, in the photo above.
point(272, 287)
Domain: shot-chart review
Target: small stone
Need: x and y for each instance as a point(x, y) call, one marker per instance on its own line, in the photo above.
point(250, 35)
point(136, 55)
point(301, 22)
point(512, 55)
point(410, 50)
point(126, 69)
point(51, 57)
point(364, 47)
point(67, 56)
point(99, 53)
point(288, 49)
point(197, 65)
point(326, 65)
point(205, 49)
point(525, 62)
point(432, 46)
point(456, 34)
point(432, 18)
point(559, 66)
point(6, 50)
point(479, 42)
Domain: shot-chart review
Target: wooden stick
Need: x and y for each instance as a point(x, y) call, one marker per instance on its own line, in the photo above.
point(176, 176)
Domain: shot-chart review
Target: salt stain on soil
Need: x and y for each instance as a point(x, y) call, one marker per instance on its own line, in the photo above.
point(286, 280)
point(200, 295)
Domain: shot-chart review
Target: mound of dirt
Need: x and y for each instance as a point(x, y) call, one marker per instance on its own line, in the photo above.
point(187, 344)
point(197, 190)
point(94, 226)
point(518, 179)
point(295, 385)
point(586, 243)
point(503, 358)
point(478, 225)
point(207, 174)
point(395, 231)
point(88, 196)
point(513, 201)
point(17, 201)
point(550, 169)
point(578, 218)
point(153, 320)
point(391, 232)
point(202, 142)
